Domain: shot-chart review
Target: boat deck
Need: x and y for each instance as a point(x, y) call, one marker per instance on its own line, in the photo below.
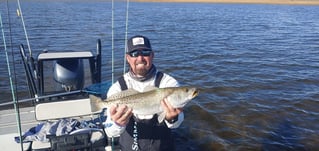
point(9, 128)
point(31, 116)
point(8, 120)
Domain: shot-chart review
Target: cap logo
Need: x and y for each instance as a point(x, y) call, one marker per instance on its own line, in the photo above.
point(138, 41)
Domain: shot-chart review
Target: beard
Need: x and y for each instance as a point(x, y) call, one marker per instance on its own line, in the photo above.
point(141, 71)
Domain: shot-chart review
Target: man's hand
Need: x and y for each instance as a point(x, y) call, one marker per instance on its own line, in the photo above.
point(121, 114)
point(171, 112)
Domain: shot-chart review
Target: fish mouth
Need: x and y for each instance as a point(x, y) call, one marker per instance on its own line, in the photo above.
point(195, 93)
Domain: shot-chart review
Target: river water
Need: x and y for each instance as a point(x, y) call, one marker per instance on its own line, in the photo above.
point(257, 66)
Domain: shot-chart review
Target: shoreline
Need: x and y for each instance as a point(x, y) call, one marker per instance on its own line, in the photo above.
point(287, 2)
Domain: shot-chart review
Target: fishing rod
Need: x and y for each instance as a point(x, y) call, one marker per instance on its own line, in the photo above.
point(112, 21)
point(12, 87)
point(15, 102)
point(124, 64)
point(20, 14)
point(126, 29)
point(126, 33)
point(31, 86)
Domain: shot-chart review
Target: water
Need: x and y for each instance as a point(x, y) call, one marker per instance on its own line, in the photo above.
point(257, 65)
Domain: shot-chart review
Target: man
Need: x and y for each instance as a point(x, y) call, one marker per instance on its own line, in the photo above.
point(142, 132)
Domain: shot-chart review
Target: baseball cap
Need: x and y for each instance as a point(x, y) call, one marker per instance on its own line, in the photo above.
point(138, 42)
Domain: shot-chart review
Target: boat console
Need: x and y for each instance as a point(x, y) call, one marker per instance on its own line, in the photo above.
point(67, 69)
point(68, 72)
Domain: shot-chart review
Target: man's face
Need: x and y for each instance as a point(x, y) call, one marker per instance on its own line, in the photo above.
point(140, 64)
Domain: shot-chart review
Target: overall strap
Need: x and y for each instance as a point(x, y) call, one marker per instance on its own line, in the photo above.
point(122, 83)
point(159, 134)
point(159, 76)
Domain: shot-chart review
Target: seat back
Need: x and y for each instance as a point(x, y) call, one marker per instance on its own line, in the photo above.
point(88, 138)
point(63, 109)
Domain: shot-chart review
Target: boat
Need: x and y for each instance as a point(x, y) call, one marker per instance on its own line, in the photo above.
point(21, 127)
point(71, 101)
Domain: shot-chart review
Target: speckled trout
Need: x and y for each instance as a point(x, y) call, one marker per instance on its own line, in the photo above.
point(148, 102)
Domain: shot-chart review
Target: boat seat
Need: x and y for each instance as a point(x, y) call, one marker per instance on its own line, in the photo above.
point(63, 109)
point(81, 109)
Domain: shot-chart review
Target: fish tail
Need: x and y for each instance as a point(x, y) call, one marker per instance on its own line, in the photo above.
point(96, 103)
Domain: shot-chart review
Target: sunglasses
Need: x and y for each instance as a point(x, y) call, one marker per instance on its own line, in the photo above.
point(136, 53)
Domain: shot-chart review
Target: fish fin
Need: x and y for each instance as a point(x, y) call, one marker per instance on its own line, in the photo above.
point(124, 93)
point(149, 88)
point(96, 103)
point(161, 117)
point(130, 92)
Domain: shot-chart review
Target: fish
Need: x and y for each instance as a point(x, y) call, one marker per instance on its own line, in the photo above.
point(147, 102)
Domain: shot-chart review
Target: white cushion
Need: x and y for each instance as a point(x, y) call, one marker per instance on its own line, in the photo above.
point(63, 109)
